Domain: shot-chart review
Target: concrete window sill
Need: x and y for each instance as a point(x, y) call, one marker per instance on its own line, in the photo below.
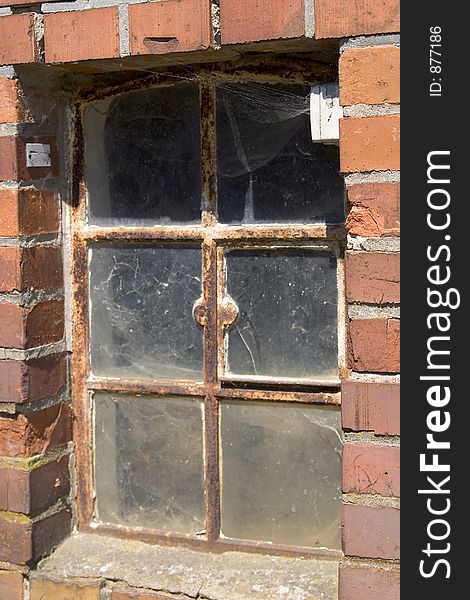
point(191, 574)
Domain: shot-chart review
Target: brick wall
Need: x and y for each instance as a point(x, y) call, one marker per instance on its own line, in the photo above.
point(369, 150)
point(35, 415)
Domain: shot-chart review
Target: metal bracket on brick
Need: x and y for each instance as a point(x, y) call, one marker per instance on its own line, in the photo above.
point(38, 155)
point(325, 112)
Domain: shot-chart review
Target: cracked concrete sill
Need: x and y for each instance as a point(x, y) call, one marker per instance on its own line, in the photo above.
point(192, 574)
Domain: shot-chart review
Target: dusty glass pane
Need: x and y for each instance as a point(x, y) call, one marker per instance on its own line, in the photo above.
point(142, 157)
point(268, 168)
point(281, 468)
point(142, 299)
point(149, 469)
point(287, 322)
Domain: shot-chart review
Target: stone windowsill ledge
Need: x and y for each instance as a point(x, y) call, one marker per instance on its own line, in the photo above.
point(192, 574)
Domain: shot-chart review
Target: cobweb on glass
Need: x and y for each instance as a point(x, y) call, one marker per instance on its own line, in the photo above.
point(268, 168)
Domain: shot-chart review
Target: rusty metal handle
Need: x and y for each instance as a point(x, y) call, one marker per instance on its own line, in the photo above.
point(228, 311)
point(200, 311)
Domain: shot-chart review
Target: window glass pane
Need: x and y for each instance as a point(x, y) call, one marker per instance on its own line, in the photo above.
point(281, 473)
point(142, 299)
point(149, 466)
point(142, 157)
point(268, 168)
point(287, 321)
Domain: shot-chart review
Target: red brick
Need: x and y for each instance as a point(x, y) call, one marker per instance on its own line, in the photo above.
point(39, 267)
point(17, 42)
point(10, 268)
point(12, 331)
point(11, 107)
point(28, 381)
point(11, 380)
point(47, 589)
point(373, 277)
point(30, 327)
point(23, 540)
point(28, 492)
point(50, 531)
point(374, 209)
point(367, 583)
point(374, 345)
point(170, 26)
point(9, 223)
point(42, 268)
point(371, 532)
point(371, 407)
point(45, 323)
point(81, 35)
point(28, 212)
point(342, 18)
point(36, 432)
point(253, 20)
point(13, 159)
point(370, 75)
point(370, 143)
point(11, 585)
point(39, 212)
point(8, 158)
point(371, 470)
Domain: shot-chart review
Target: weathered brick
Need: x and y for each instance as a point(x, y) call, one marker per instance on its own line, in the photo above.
point(10, 268)
point(39, 212)
point(371, 470)
point(13, 159)
point(28, 212)
point(367, 583)
point(370, 143)
point(28, 492)
point(11, 106)
point(50, 531)
point(36, 432)
point(17, 41)
point(48, 589)
point(11, 585)
point(374, 345)
point(8, 158)
point(253, 20)
point(37, 378)
point(171, 26)
point(370, 75)
point(42, 268)
point(39, 267)
point(373, 277)
point(371, 532)
point(30, 327)
point(81, 35)
point(342, 18)
point(374, 209)
point(371, 407)
point(23, 540)
point(13, 325)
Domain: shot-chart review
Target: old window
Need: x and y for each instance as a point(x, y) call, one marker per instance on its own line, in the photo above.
point(208, 280)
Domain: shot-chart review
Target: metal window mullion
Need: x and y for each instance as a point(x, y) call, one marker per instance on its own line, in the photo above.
point(208, 153)
point(211, 414)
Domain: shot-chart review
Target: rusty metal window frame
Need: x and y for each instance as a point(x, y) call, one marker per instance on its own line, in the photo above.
point(214, 239)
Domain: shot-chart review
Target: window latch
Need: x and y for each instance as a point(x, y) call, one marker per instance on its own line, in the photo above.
point(228, 311)
point(200, 311)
